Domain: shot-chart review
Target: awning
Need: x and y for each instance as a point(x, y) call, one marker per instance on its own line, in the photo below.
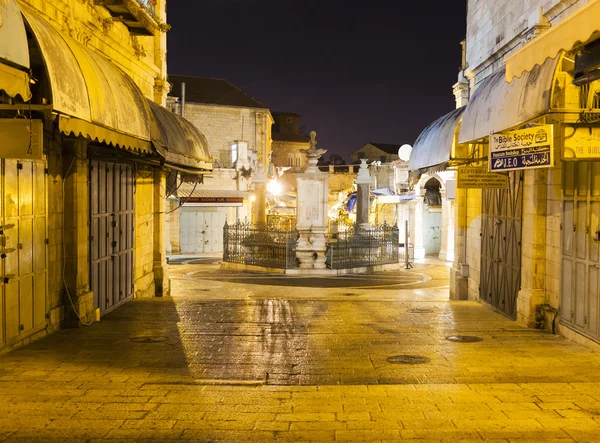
point(434, 144)
point(581, 27)
point(95, 98)
point(179, 141)
point(14, 52)
point(190, 190)
point(498, 105)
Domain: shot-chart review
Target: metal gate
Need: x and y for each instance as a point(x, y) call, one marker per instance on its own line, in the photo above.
point(501, 220)
point(23, 244)
point(580, 287)
point(111, 236)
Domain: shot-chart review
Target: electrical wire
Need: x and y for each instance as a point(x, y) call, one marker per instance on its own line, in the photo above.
point(183, 202)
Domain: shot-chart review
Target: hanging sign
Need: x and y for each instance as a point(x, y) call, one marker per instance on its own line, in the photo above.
point(529, 148)
point(21, 138)
point(581, 143)
point(480, 178)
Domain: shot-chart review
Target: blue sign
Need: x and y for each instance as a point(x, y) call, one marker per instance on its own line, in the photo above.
point(501, 162)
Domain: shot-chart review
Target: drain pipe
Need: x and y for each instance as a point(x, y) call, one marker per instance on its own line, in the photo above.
point(183, 99)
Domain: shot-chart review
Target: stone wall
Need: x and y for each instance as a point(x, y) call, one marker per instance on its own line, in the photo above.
point(222, 125)
point(373, 154)
point(496, 28)
point(473, 247)
point(282, 150)
point(144, 233)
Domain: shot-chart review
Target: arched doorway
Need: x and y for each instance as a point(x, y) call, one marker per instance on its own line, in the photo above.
point(432, 217)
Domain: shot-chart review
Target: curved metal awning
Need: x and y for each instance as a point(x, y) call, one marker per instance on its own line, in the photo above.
point(434, 145)
point(14, 52)
point(179, 141)
point(95, 98)
point(498, 105)
point(581, 27)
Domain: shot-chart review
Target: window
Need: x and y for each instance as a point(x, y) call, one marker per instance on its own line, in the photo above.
point(383, 158)
point(234, 152)
point(289, 120)
point(360, 155)
point(290, 161)
point(297, 162)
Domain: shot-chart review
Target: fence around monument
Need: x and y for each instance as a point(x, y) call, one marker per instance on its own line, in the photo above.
point(267, 246)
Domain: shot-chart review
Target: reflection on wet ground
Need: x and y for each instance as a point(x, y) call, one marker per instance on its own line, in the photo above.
point(293, 334)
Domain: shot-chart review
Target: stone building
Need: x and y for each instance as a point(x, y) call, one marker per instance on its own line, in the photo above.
point(288, 141)
point(375, 152)
point(84, 168)
point(238, 131)
point(527, 107)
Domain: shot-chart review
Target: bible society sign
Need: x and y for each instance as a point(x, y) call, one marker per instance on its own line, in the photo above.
point(522, 149)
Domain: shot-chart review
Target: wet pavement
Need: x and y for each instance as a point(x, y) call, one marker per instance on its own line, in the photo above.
point(246, 357)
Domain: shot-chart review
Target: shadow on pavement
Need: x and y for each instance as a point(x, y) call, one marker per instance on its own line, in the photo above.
point(141, 339)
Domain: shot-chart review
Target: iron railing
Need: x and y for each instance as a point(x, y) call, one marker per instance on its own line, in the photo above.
point(356, 248)
point(268, 247)
point(411, 255)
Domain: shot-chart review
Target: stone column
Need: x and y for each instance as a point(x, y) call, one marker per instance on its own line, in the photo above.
point(363, 182)
point(311, 220)
point(418, 240)
point(260, 194)
point(533, 252)
point(446, 226)
point(76, 233)
point(159, 253)
point(459, 273)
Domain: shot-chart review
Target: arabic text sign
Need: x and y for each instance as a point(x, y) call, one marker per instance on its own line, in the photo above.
point(522, 149)
point(480, 178)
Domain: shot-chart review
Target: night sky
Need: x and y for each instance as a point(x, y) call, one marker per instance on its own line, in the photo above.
point(357, 71)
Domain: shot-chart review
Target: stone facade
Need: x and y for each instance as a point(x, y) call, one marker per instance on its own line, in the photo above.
point(224, 125)
point(69, 300)
point(372, 152)
point(495, 29)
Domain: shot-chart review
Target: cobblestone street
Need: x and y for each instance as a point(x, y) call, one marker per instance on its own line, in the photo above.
point(246, 357)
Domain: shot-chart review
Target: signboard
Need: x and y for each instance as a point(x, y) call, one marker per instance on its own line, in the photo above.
point(522, 149)
point(480, 178)
point(21, 138)
point(581, 143)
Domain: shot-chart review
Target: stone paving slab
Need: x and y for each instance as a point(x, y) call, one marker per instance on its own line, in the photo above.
point(193, 368)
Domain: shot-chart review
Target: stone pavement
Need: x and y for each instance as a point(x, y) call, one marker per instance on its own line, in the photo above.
point(243, 357)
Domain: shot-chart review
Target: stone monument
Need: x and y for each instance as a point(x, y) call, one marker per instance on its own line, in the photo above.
point(311, 213)
point(260, 193)
point(363, 182)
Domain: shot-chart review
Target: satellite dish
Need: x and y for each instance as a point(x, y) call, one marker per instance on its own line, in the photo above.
point(404, 152)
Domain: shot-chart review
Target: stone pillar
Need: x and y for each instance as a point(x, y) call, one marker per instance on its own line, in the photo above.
point(173, 219)
point(533, 250)
point(159, 252)
point(363, 182)
point(418, 240)
point(311, 218)
point(76, 233)
point(447, 229)
point(260, 194)
point(459, 273)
